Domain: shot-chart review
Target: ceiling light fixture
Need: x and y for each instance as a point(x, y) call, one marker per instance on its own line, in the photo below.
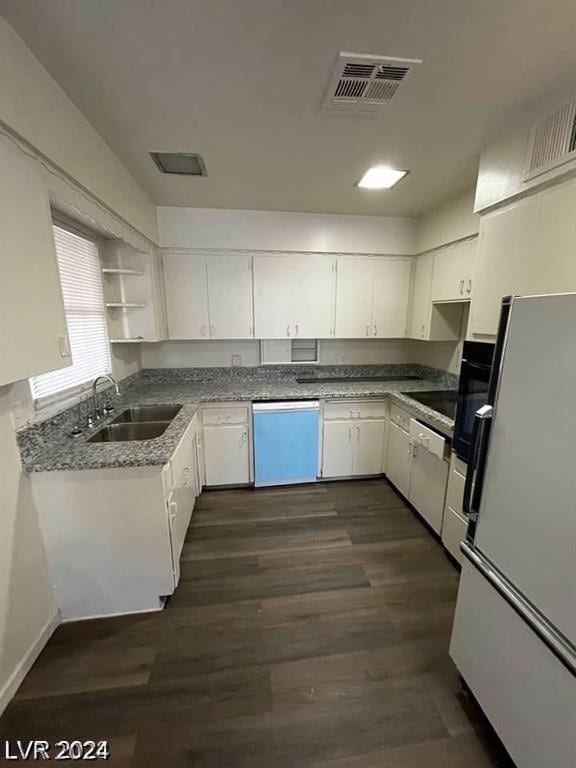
point(381, 177)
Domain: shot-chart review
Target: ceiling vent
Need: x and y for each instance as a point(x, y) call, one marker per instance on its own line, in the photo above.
point(552, 141)
point(364, 83)
point(179, 163)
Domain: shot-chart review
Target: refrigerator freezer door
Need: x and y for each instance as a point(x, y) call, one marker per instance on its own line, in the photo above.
point(527, 518)
point(525, 691)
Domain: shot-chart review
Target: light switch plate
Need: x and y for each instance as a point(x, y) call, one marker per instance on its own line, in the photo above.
point(236, 360)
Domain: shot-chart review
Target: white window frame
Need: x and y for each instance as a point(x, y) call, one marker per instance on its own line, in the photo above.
point(70, 395)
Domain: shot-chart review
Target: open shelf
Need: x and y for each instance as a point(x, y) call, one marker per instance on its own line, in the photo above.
point(127, 341)
point(121, 271)
point(124, 305)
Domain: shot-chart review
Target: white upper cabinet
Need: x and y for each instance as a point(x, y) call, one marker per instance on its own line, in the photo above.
point(273, 297)
point(230, 296)
point(372, 296)
point(186, 295)
point(390, 297)
point(33, 332)
point(428, 321)
point(208, 296)
point(293, 296)
point(452, 272)
point(313, 296)
point(528, 247)
point(419, 324)
point(354, 288)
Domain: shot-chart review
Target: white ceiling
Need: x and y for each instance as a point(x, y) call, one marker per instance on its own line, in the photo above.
point(242, 82)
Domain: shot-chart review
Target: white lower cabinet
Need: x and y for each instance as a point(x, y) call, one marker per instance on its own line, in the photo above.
point(416, 465)
point(337, 449)
point(353, 438)
point(399, 457)
point(226, 441)
point(114, 537)
point(455, 522)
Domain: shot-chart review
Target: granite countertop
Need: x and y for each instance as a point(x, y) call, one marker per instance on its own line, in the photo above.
point(49, 447)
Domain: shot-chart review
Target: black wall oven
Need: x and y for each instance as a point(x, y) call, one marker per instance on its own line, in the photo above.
point(472, 393)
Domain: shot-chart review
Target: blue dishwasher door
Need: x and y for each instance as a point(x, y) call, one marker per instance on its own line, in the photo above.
point(285, 442)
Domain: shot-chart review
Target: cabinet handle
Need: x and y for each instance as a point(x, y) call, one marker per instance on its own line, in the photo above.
point(212, 329)
point(296, 334)
point(357, 433)
point(349, 434)
point(288, 330)
point(423, 329)
point(375, 330)
point(202, 330)
point(461, 287)
point(172, 510)
point(469, 289)
point(64, 346)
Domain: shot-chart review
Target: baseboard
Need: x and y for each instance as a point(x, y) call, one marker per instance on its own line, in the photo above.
point(8, 691)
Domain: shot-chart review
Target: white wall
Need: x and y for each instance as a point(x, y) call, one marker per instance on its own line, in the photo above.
point(280, 231)
point(28, 611)
point(503, 160)
point(190, 354)
point(453, 220)
point(33, 106)
point(88, 182)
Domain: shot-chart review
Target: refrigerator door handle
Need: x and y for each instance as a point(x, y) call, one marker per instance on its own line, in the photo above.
point(476, 468)
point(560, 646)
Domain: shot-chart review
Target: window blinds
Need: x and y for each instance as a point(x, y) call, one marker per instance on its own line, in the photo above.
point(80, 277)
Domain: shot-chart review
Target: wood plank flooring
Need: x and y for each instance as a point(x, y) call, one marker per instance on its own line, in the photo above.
point(310, 630)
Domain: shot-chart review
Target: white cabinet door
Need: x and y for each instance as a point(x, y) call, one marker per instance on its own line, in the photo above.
point(420, 311)
point(186, 295)
point(398, 458)
point(33, 332)
point(368, 447)
point(313, 296)
point(273, 297)
point(227, 455)
point(428, 476)
point(230, 296)
point(452, 278)
point(337, 449)
point(555, 269)
point(354, 288)
point(391, 295)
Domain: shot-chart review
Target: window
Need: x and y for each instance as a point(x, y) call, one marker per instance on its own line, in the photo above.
point(80, 277)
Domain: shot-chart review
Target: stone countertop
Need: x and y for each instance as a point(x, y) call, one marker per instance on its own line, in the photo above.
point(57, 451)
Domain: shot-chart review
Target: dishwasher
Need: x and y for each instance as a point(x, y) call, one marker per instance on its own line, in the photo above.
point(285, 442)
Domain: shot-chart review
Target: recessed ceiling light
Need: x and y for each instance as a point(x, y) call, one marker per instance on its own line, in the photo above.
point(381, 177)
point(180, 163)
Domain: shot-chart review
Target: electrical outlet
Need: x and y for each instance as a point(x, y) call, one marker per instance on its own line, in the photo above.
point(236, 360)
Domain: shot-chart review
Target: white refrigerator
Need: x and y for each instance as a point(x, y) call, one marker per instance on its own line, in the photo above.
point(514, 634)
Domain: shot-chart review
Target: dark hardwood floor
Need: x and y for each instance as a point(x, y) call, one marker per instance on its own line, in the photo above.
point(310, 630)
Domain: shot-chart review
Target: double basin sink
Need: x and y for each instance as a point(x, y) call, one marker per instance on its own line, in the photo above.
point(140, 422)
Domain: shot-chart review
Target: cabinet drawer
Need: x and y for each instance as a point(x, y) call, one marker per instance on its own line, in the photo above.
point(353, 409)
point(225, 415)
point(453, 532)
point(426, 437)
point(456, 481)
point(400, 418)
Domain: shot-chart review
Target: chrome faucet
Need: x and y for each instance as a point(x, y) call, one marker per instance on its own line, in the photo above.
point(95, 416)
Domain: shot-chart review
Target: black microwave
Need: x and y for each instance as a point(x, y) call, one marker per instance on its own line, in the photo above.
point(472, 393)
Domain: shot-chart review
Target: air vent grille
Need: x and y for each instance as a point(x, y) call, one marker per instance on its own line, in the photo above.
point(361, 83)
point(552, 141)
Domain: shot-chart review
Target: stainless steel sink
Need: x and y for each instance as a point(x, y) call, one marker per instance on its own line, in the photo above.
point(120, 433)
point(139, 413)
